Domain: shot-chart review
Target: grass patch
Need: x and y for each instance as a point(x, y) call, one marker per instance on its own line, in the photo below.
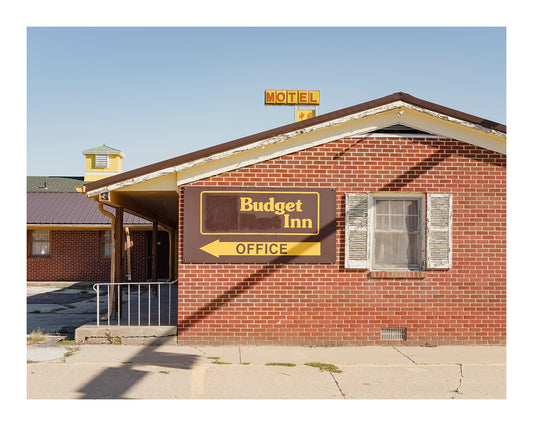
point(71, 346)
point(281, 364)
point(164, 372)
point(216, 360)
point(324, 367)
point(245, 363)
point(36, 337)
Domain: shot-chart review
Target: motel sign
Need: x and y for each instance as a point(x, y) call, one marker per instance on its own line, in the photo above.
point(292, 97)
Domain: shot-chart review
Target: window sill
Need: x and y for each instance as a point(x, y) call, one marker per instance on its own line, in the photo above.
point(391, 275)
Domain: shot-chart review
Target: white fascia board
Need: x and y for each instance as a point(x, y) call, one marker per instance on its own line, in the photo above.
point(89, 152)
point(455, 120)
point(355, 125)
point(449, 127)
point(165, 182)
point(268, 150)
point(358, 124)
point(259, 144)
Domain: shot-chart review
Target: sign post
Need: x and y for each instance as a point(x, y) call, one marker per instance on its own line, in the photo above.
point(259, 225)
point(295, 97)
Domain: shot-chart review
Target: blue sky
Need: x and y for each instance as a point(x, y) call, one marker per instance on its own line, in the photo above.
point(159, 92)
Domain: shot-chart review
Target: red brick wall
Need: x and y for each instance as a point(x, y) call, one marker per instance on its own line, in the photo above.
point(75, 256)
point(326, 304)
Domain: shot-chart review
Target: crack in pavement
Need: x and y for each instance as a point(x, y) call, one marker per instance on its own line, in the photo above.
point(338, 386)
point(401, 353)
point(196, 347)
point(456, 390)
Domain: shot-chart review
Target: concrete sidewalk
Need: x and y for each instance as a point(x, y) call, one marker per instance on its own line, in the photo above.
point(174, 371)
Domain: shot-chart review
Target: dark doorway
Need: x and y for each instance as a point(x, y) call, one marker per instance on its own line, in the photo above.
point(162, 255)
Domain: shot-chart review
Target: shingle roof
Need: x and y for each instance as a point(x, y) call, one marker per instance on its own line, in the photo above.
point(53, 183)
point(69, 208)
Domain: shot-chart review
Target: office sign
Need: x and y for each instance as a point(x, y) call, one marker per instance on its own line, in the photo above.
point(258, 225)
point(292, 97)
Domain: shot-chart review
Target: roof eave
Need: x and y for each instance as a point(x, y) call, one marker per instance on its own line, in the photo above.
point(393, 101)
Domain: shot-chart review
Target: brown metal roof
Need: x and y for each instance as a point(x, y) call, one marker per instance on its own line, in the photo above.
point(69, 208)
point(399, 96)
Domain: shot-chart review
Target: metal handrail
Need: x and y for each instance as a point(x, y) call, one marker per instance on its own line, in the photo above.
point(119, 287)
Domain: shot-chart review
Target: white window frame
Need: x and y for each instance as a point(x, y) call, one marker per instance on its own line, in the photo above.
point(45, 242)
point(421, 198)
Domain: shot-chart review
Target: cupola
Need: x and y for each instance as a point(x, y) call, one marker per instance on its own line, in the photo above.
point(101, 162)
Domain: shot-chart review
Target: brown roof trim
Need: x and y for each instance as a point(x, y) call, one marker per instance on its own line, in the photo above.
point(395, 97)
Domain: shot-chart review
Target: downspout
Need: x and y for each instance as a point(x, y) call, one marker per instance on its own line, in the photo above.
point(110, 215)
point(112, 280)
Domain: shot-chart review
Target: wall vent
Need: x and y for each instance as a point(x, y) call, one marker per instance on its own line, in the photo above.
point(393, 334)
point(101, 161)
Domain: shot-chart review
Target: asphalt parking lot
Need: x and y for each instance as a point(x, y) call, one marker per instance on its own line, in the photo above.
point(59, 308)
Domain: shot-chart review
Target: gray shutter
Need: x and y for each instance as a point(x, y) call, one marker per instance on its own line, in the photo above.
point(439, 231)
point(356, 232)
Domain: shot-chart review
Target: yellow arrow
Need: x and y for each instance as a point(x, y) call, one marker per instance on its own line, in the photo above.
point(219, 248)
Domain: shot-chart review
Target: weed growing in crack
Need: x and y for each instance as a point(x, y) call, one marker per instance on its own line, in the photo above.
point(281, 364)
point(114, 340)
point(324, 367)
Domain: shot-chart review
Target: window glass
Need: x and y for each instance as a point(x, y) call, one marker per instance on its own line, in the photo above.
point(396, 242)
point(107, 244)
point(40, 242)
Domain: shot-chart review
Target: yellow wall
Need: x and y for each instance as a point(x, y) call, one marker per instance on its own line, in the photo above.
point(114, 167)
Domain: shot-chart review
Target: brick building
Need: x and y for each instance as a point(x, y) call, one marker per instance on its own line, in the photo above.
point(69, 239)
point(409, 246)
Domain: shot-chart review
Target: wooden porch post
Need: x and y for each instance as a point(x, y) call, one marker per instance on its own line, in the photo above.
point(118, 255)
point(172, 255)
point(154, 252)
point(119, 244)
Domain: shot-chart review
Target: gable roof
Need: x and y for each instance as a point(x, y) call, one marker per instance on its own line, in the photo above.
point(103, 149)
point(374, 108)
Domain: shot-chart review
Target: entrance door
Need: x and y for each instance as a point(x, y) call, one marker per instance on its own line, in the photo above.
point(162, 255)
